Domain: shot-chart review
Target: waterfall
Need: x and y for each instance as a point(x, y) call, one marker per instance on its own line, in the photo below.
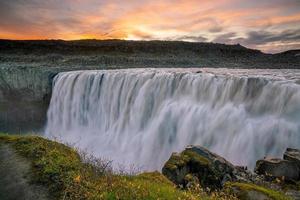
point(141, 116)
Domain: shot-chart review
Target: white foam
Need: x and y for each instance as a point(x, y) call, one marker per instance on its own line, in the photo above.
point(141, 116)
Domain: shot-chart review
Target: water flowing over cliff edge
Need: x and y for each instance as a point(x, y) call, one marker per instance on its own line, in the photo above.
point(140, 116)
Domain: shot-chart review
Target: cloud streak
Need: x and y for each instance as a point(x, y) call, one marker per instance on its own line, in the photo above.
point(269, 25)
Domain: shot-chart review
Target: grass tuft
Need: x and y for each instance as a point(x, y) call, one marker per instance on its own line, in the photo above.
point(244, 187)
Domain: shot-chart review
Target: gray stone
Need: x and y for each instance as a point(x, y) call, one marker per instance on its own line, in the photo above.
point(278, 168)
point(210, 169)
point(292, 155)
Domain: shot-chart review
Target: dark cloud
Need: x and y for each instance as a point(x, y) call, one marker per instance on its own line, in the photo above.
point(30, 14)
point(227, 38)
point(262, 37)
point(288, 39)
point(192, 38)
point(9, 13)
point(215, 29)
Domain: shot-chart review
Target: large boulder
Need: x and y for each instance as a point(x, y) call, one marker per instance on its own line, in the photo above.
point(278, 168)
point(292, 155)
point(198, 163)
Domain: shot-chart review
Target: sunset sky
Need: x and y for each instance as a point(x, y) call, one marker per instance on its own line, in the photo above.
point(268, 25)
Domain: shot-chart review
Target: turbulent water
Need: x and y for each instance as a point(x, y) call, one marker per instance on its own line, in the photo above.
point(141, 116)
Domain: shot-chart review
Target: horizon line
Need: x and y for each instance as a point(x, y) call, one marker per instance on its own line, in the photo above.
point(144, 40)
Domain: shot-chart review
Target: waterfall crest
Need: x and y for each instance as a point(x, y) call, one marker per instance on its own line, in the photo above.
point(141, 116)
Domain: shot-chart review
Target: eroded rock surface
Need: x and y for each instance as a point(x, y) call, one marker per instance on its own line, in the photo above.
point(292, 155)
point(278, 168)
point(24, 98)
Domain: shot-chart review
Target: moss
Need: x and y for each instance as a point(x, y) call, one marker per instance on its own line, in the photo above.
point(195, 157)
point(275, 195)
point(200, 168)
point(176, 161)
point(188, 177)
point(180, 160)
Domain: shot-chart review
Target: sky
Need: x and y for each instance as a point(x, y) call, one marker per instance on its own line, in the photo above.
point(269, 25)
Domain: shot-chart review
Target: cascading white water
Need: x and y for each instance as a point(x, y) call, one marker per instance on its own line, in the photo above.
point(141, 116)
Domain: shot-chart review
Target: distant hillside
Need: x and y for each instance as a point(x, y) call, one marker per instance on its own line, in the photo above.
point(124, 54)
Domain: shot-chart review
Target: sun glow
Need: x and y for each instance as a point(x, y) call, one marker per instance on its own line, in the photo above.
point(233, 21)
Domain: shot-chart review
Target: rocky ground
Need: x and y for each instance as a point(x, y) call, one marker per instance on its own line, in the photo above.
point(128, 54)
point(274, 178)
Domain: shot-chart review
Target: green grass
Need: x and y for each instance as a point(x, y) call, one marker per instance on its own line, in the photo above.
point(54, 165)
point(275, 195)
point(67, 175)
point(61, 169)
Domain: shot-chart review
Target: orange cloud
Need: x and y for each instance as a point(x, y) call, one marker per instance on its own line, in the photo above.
point(277, 20)
point(136, 19)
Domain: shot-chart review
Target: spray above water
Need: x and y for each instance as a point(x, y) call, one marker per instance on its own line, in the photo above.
point(141, 116)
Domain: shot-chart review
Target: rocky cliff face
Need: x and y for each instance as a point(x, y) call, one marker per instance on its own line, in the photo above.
point(24, 97)
point(27, 68)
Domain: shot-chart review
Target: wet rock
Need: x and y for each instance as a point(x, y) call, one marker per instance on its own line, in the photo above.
point(294, 194)
point(278, 168)
point(198, 163)
point(243, 174)
point(292, 155)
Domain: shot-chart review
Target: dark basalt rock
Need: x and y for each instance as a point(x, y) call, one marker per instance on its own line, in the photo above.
point(278, 168)
point(198, 164)
point(292, 155)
